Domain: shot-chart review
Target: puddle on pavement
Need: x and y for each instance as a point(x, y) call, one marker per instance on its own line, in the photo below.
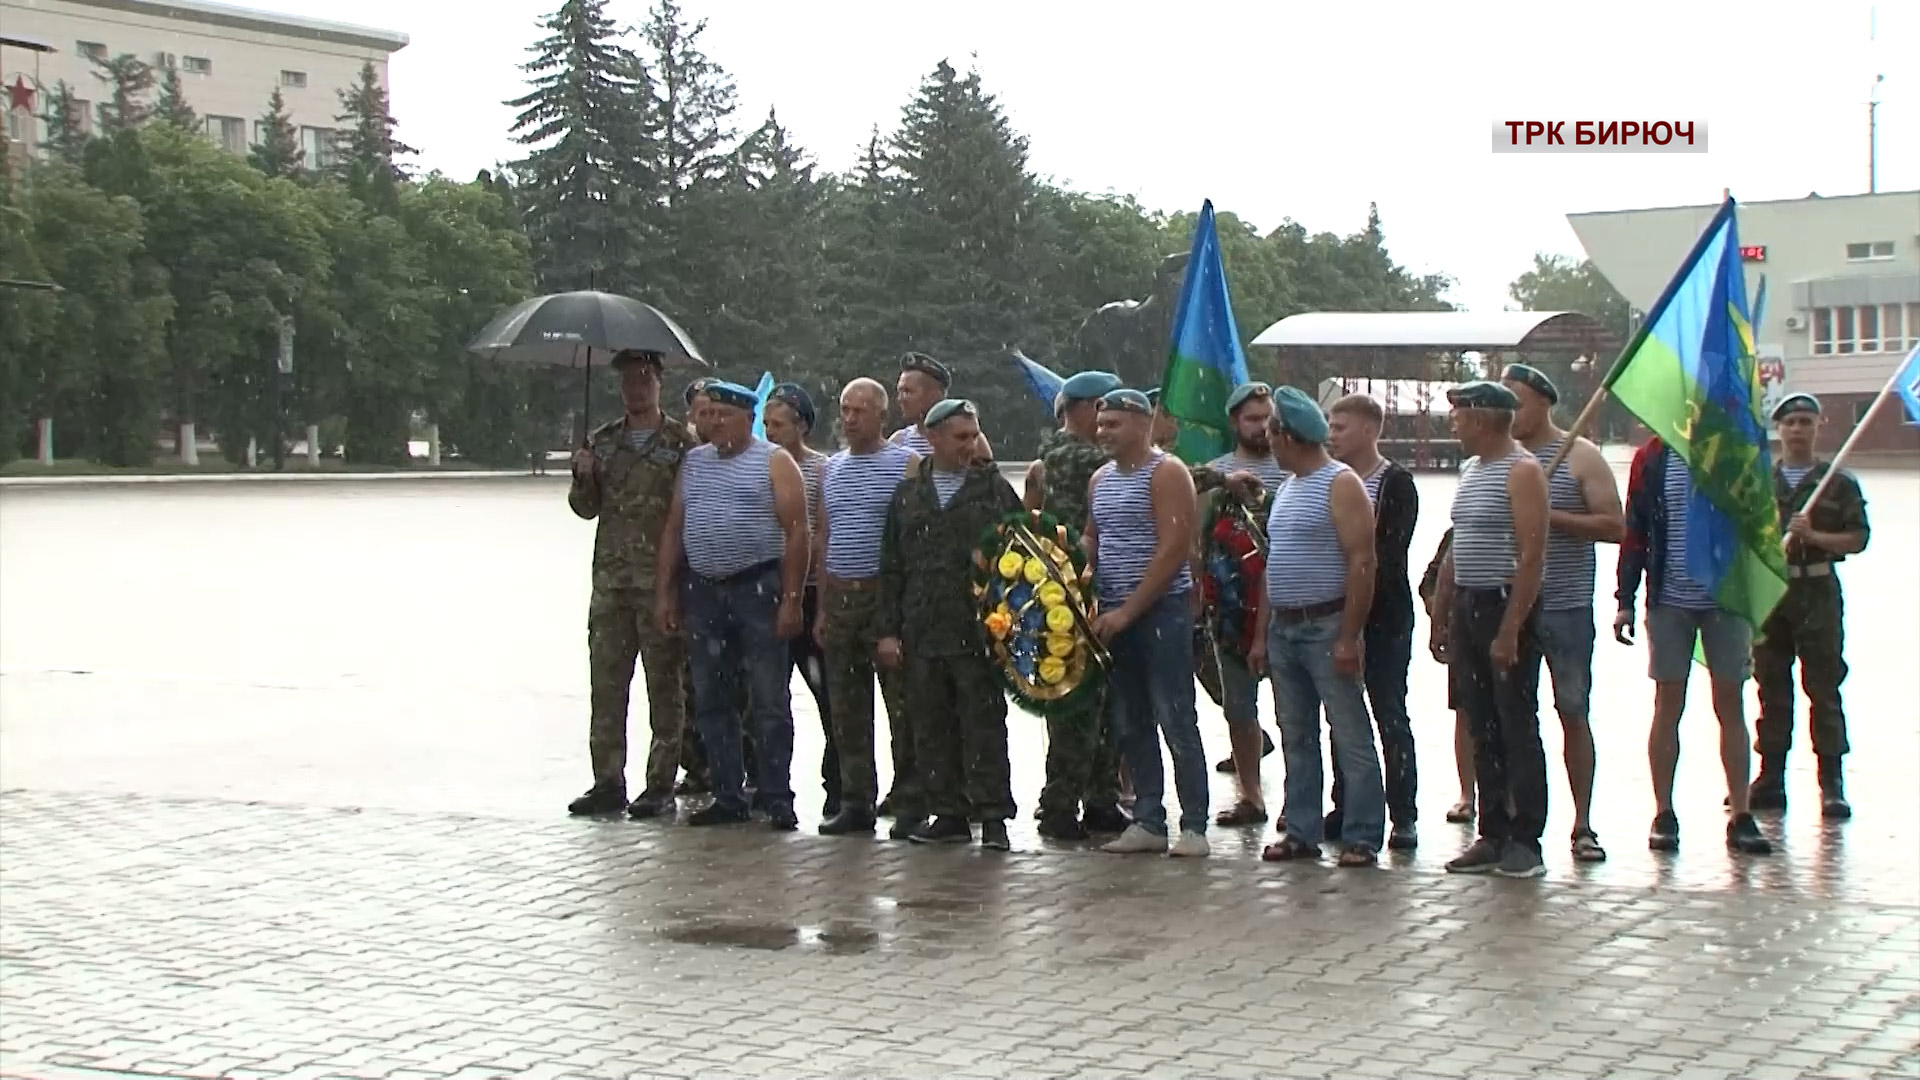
point(936, 903)
point(836, 938)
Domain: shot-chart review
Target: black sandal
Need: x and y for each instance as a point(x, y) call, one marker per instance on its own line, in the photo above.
point(1289, 848)
point(1358, 857)
point(1243, 813)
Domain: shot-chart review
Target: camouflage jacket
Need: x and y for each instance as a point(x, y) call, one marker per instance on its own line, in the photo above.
point(1070, 463)
point(631, 494)
point(1842, 508)
point(926, 560)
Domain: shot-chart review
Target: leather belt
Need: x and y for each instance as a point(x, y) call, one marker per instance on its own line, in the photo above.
point(1310, 612)
point(1818, 569)
point(836, 584)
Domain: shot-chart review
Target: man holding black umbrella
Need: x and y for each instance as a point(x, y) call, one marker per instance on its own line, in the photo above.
point(625, 478)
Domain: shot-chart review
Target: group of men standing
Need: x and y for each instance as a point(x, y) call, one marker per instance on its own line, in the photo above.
point(723, 561)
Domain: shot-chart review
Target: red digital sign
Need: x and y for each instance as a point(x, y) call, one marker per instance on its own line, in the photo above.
point(1753, 252)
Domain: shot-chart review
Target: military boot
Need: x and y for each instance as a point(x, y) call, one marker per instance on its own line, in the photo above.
point(1769, 789)
point(1833, 790)
point(599, 799)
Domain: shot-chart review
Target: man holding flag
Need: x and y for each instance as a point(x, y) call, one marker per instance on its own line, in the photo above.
point(1701, 523)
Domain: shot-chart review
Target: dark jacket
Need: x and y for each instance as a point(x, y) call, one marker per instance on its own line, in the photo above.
point(926, 560)
point(1842, 508)
point(1643, 550)
point(1394, 518)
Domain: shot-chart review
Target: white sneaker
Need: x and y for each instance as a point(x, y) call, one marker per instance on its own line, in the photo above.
point(1136, 841)
point(1191, 845)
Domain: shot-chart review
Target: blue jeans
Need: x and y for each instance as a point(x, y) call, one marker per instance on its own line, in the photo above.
point(729, 627)
point(1150, 691)
point(1300, 658)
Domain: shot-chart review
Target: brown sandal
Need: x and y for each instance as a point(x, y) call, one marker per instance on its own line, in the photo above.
point(1289, 848)
point(1243, 813)
point(1358, 857)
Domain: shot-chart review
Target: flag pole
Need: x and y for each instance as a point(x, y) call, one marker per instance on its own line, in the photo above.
point(1846, 448)
point(1592, 408)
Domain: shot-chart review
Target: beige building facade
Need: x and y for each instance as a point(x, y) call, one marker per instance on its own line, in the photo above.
point(230, 60)
point(1843, 290)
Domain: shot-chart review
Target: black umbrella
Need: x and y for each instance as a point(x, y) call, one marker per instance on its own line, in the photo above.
point(565, 328)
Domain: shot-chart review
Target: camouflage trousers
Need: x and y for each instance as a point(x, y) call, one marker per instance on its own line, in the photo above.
point(620, 631)
point(959, 714)
point(1807, 626)
point(851, 674)
point(1083, 763)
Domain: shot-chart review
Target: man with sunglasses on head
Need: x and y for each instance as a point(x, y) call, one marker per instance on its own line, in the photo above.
point(929, 625)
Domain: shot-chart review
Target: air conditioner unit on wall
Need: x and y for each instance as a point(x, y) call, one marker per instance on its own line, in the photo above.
point(1796, 322)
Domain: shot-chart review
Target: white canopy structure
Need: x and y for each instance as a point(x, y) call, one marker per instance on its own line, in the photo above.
point(1434, 330)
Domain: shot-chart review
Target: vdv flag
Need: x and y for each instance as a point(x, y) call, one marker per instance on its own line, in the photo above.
point(763, 390)
point(1906, 383)
point(1205, 360)
point(1690, 376)
point(1039, 380)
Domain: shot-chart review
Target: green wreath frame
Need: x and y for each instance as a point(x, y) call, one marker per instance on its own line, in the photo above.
point(1086, 665)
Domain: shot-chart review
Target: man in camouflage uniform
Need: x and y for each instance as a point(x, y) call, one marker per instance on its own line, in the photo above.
point(1083, 766)
point(625, 479)
point(1807, 624)
point(929, 618)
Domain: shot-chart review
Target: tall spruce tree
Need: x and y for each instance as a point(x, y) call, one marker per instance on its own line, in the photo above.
point(693, 103)
point(66, 138)
point(172, 107)
point(130, 80)
point(278, 152)
point(587, 185)
point(368, 151)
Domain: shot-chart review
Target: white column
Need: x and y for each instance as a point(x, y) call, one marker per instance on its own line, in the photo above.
point(433, 445)
point(46, 440)
point(253, 451)
point(313, 445)
point(189, 449)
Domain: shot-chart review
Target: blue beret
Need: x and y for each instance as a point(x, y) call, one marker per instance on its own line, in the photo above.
point(1124, 400)
point(1153, 396)
point(1796, 403)
point(698, 387)
point(721, 392)
point(1299, 415)
point(927, 365)
point(1246, 392)
point(794, 396)
point(1090, 386)
point(1482, 395)
point(1533, 379)
point(946, 409)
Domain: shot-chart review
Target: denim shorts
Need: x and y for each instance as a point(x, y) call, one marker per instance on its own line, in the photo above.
point(1239, 693)
point(1726, 638)
point(1566, 640)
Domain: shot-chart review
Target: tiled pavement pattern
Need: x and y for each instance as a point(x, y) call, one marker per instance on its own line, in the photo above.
point(207, 938)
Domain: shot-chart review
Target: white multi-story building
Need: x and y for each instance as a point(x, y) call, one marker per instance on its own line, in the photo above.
point(230, 60)
point(1843, 285)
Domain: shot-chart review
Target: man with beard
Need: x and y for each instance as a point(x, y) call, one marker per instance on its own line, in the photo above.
point(1353, 437)
point(625, 479)
point(929, 619)
point(859, 486)
point(1488, 587)
point(1583, 510)
point(738, 526)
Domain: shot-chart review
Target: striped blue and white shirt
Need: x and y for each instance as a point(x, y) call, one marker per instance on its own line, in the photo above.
point(1122, 513)
point(637, 438)
point(858, 489)
point(1795, 474)
point(915, 440)
point(1372, 482)
point(1267, 469)
point(1485, 554)
point(812, 471)
point(730, 523)
point(1571, 561)
point(947, 484)
point(1305, 565)
point(1676, 588)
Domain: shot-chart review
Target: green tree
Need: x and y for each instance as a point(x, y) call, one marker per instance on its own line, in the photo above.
point(66, 139)
point(587, 183)
point(278, 153)
point(693, 104)
point(369, 153)
point(24, 316)
point(129, 80)
point(1560, 283)
point(865, 318)
point(172, 107)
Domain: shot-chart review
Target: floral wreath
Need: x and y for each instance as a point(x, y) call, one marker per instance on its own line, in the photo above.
point(1031, 584)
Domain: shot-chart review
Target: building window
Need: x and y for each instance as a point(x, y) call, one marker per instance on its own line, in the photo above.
point(1871, 252)
point(196, 65)
point(318, 144)
point(80, 115)
point(92, 50)
point(1860, 411)
point(1884, 328)
point(296, 80)
point(229, 133)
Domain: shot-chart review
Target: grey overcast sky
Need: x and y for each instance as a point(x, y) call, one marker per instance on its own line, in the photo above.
point(1277, 109)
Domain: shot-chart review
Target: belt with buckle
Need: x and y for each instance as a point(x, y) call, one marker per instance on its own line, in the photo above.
point(739, 575)
point(839, 584)
point(1818, 569)
point(1310, 612)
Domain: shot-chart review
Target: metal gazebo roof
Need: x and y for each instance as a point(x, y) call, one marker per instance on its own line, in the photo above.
point(1437, 330)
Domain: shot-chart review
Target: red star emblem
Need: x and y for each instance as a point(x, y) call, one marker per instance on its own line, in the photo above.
point(20, 95)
